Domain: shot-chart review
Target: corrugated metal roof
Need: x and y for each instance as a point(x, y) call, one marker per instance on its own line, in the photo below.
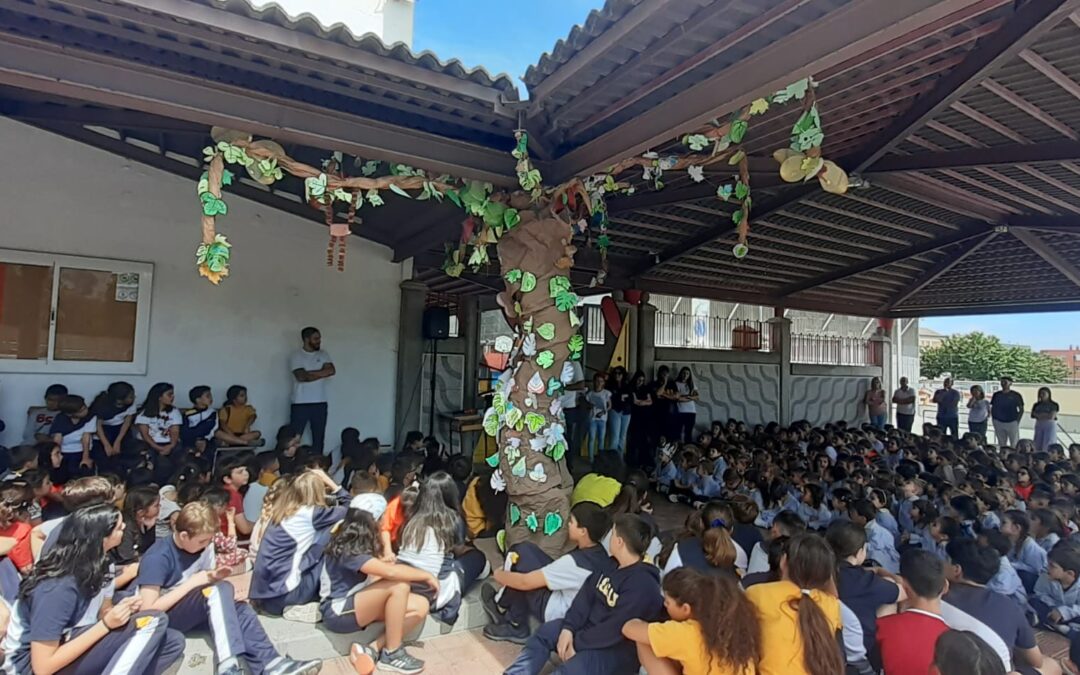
point(369, 42)
point(598, 21)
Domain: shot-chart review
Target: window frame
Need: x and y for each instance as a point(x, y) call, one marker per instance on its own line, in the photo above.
point(57, 261)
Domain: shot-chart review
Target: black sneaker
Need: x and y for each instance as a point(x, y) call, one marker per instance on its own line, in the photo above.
point(400, 661)
point(507, 632)
point(491, 607)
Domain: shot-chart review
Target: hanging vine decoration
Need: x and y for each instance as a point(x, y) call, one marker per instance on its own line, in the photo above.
point(489, 213)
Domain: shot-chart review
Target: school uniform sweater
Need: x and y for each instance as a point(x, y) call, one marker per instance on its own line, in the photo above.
point(1065, 600)
point(1031, 558)
point(608, 600)
point(294, 547)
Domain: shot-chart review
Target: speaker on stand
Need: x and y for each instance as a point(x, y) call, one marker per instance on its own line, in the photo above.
point(436, 326)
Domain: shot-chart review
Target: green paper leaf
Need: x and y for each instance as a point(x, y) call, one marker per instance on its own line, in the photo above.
point(558, 451)
point(566, 301)
point(575, 320)
point(531, 521)
point(511, 217)
point(513, 417)
point(576, 343)
point(724, 191)
point(518, 470)
point(741, 190)
point(738, 130)
point(513, 276)
point(491, 424)
point(554, 385)
point(396, 189)
point(534, 422)
point(603, 241)
point(528, 282)
point(369, 168)
point(373, 198)
point(759, 107)
point(454, 197)
point(696, 142)
point(493, 213)
point(546, 331)
point(740, 250)
point(500, 541)
point(737, 157)
point(737, 216)
point(498, 402)
point(227, 177)
point(545, 359)
point(552, 523)
point(557, 285)
point(515, 514)
point(493, 460)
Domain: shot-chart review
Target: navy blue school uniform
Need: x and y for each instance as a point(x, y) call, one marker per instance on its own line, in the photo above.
point(112, 418)
point(863, 592)
point(746, 536)
point(198, 424)
point(339, 582)
point(691, 553)
point(71, 433)
point(234, 625)
point(606, 602)
point(57, 611)
point(563, 576)
point(287, 566)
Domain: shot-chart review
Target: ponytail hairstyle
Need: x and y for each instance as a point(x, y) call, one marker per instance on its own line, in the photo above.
point(811, 565)
point(716, 523)
point(1019, 519)
point(729, 621)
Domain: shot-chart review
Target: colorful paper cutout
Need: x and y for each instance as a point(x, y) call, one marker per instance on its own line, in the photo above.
point(552, 522)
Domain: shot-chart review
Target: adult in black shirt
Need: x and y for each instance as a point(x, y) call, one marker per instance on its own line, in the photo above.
point(1006, 409)
point(619, 415)
point(663, 405)
point(639, 444)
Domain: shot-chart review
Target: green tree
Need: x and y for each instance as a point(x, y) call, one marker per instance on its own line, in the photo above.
point(976, 356)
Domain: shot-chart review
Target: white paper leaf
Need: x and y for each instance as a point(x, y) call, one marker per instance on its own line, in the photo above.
point(528, 346)
point(503, 344)
point(567, 375)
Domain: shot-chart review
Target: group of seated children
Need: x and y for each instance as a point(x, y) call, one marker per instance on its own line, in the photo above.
point(112, 434)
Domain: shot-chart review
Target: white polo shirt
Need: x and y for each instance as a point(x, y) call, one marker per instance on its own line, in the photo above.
point(309, 392)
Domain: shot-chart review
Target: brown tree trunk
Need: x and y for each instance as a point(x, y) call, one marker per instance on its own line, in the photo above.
point(539, 494)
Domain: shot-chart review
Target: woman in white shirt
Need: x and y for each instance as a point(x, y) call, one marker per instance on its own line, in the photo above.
point(159, 423)
point(978, 411)
point(687, 408)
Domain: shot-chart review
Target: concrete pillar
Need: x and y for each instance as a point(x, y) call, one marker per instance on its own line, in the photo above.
point(883, 345)
point(780, 333)
point(469, 318)
point(646, 340)
point(410, 358)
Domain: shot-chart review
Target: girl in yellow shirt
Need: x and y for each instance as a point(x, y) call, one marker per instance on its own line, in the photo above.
point(713, 629)
point(800, 614)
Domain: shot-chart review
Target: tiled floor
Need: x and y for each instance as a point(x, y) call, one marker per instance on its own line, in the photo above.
point(457, 654)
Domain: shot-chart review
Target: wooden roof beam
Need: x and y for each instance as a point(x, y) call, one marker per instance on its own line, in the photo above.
point(1052, 257)
point(963, 234)
point(1024, 27)
point(999, 155)
point(942, 267)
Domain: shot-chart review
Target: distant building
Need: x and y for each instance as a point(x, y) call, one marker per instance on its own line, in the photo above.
point(929, 338)
point(1070, 356)
point(391, 20)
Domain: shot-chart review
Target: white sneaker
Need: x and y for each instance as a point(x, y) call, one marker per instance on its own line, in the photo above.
point(308, 613)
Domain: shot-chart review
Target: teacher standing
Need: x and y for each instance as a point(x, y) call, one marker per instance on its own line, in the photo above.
point(311, 367)
point(1006, 408)
point(947, 400)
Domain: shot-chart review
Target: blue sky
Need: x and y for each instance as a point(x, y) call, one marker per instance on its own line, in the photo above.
point(501, 35)
point(508, 37)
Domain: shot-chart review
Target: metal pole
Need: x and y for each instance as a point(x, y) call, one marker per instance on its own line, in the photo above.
point(434, 367)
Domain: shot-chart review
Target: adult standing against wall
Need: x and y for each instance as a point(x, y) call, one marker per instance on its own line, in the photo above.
point(311, 367)
point(663, 407)
point(876, 407)
point(1006, 408)
point(978, 411)
point(1045, 412)
point(947, 400)
point(686, 397)
point(904, 398)
point(619, 415)
point(575, 411)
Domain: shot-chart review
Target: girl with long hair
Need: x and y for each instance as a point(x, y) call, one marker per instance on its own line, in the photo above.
point(286, 573)
point(685, 396)
point(159, 424)
point(1045, 412)
point(1047, 528)
point(433, 539)
point(358, 588)
point(800, 614)
point(237, 416)
point(54, 621)
point(141, 507)
point(706, 544)
point(114, 410)
point(621, 404)
point(641, 443)
point(713, 628)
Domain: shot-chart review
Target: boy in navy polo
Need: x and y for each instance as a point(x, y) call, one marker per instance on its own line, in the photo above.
point(177, 576)
point(589, 640)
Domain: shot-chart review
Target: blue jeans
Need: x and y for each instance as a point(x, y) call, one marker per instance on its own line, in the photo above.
point(617, 424)
point(596, 436)
point(616, 660)
point(878, 421)
point(949, 424)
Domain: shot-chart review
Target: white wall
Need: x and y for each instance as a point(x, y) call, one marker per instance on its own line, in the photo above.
point(240, 332)
point(391, 20)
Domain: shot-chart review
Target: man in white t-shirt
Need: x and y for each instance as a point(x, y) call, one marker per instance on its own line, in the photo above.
point(904, 398)
point(311, 367)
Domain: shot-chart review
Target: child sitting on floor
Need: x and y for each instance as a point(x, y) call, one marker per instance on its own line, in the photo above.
point(906, 640)
point(1056, 597)
point(712, 628)
point(236, 418)
point(534, 585)
point(589, 639)
point(39, 418)
point(179, 576)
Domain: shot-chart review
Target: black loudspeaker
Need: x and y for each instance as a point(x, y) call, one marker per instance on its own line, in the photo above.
point(436, 323)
